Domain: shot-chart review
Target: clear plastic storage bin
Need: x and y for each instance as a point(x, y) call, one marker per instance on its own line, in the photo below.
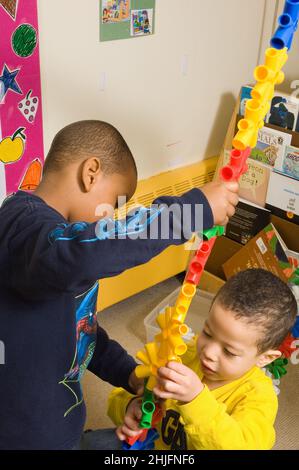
point(195, 318)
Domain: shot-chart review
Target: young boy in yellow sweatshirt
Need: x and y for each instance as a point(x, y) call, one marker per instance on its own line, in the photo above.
point(219, 398)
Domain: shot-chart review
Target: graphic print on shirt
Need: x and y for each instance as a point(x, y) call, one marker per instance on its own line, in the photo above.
point(173, 433)
point(86, 332)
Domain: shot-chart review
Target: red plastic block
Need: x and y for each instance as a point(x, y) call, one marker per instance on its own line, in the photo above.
point(157, 416)
point(197, 264)
point(237, 165)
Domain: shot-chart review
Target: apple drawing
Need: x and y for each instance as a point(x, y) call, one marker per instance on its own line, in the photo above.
point(12, 148)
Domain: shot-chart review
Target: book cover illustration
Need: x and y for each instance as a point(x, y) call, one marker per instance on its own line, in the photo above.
point(254, 183)
point(270, 148)
point(290, 163)
point(284, 111)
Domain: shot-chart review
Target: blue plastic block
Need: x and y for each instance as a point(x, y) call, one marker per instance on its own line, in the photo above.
point(287, 26)
point(147, 444)
point(295, 330)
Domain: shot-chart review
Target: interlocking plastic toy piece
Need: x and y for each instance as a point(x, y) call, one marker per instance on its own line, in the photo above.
point(267, 76)
point(151, 364)
point(183, 302)
point(278, 367)
point(148, 408)
point(216, 231)
point(295, 277)
point(170, 338)
point(288, 347)
point(237, 165)
point(271, 70)
point(295, 330)
point(146, 444)
point(197, 264)
point(157, 416)
point(287, 26)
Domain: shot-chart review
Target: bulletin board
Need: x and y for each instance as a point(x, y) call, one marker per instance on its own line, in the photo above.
point(124, 19)
point(21, 128)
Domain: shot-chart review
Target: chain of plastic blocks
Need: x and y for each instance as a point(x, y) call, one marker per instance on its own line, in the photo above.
point(198, 263)
point(287, 26)
point(267, 76)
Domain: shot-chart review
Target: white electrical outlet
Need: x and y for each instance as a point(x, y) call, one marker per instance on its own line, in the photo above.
point(185, 64)
point(103, 81)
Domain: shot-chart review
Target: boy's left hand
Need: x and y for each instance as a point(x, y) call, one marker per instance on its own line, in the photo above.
point(136, 384)
point(178, 382)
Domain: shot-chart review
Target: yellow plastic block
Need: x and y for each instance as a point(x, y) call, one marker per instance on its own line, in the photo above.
point(263, 92)
point(271, 71)
point(151, 363)
point(246, 136)
point(256, 112)
point(170, 341)
point(183, 301)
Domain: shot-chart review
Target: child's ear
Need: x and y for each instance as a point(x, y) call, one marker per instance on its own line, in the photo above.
point(267, 357)
point(91, 169)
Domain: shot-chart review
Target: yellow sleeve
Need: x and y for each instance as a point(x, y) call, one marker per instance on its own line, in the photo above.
point(118, 401)
point(249, 427)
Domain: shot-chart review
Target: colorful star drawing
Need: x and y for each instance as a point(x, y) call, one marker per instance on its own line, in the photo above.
point(10, 6)
point(8, 79)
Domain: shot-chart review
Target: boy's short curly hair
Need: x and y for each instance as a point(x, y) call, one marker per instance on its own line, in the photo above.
point(260, 298)
point(84, 139)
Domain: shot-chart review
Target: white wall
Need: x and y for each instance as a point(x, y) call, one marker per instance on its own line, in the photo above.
point(168, 119)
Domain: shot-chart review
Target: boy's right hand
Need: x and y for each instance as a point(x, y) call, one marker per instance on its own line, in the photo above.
point(223, 198)
point(131, 428)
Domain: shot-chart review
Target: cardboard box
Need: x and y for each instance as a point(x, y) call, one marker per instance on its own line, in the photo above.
point(266, 251)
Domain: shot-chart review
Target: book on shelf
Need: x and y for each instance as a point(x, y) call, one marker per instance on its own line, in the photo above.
point(284, 111)
point(271, 147)
point(248, 220)
point(267, 251)
point(290, 162)
point(283, 197)
point(254, 183)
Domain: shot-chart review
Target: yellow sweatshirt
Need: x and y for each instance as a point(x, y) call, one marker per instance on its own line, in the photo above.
point(239, 415)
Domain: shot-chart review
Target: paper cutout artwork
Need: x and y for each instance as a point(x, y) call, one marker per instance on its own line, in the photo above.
point(10, 6)
point(21, 127)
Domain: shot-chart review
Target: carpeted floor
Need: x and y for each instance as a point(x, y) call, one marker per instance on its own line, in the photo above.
point(124, 323)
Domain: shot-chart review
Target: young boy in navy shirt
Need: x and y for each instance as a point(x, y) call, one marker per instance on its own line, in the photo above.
point(55, 245)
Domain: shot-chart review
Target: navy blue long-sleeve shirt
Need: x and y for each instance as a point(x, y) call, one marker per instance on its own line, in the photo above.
point(48, 325)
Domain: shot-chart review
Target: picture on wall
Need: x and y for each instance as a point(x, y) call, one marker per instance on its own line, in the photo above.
point(114, 11)
point(141, 22)
point(21, 127)
point(125, 19)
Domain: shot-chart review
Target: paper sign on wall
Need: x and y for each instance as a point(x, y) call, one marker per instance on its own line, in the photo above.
point(123, 19)
point(21, 130)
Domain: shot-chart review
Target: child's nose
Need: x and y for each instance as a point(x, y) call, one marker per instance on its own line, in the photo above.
point(211, 352)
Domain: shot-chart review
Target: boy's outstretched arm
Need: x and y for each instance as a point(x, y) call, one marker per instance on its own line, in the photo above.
point(113, 364)
point(69, 257)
